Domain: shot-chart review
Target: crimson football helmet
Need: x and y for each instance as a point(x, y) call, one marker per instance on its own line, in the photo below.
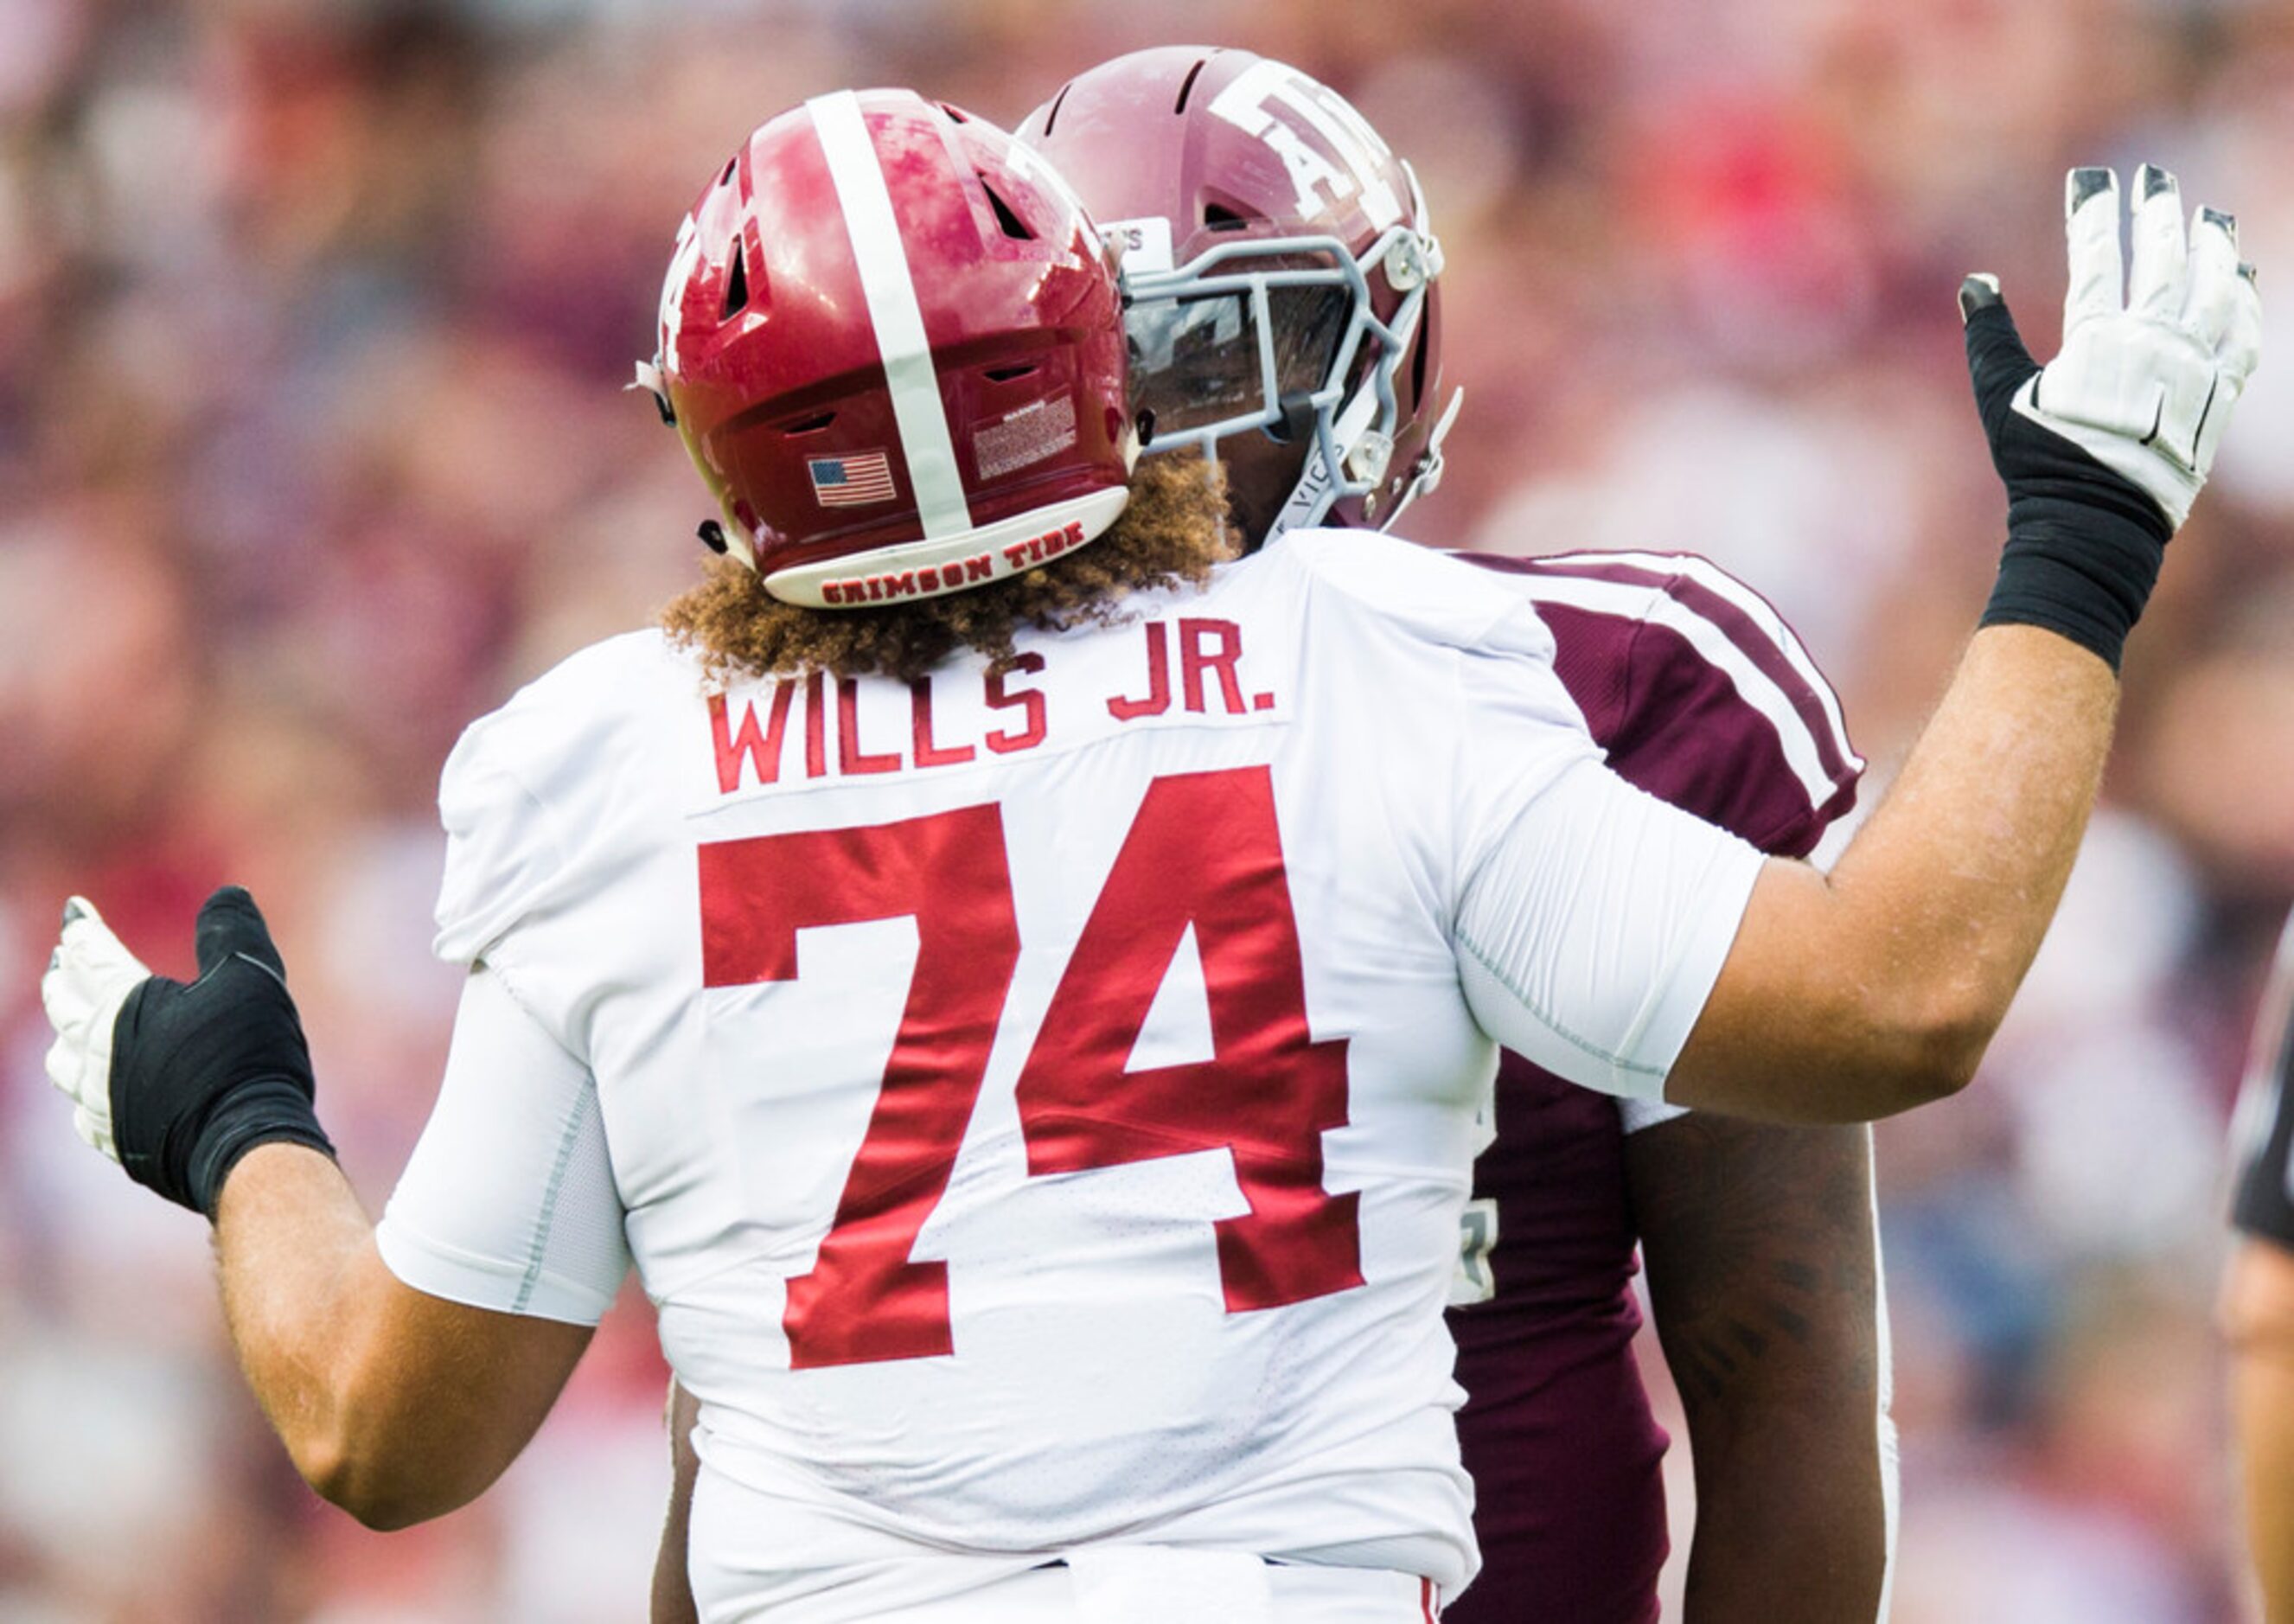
point(1281, 272)
point(893, 345)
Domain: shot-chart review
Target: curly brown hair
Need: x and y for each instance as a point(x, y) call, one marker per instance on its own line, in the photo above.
point(1172, 532)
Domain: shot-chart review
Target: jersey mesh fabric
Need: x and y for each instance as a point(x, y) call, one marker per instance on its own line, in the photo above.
point(579, 1220)
point(531, 1108)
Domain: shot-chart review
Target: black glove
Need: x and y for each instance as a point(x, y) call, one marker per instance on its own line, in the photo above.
point(198, 1075)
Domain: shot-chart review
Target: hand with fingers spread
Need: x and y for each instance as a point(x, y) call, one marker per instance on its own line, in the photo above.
point(175, 1083)
point(2104, 449)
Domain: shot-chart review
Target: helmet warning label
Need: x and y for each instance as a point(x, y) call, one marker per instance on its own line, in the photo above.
point(1039, 430)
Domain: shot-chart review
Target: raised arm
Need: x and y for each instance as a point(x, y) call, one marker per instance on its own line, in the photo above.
point(1878, 988)
point(1764, 1278)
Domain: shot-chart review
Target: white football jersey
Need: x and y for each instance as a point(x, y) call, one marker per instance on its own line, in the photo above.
point(1041, 1105)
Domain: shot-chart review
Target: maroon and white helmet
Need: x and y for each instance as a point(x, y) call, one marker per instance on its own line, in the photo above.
point(893, 344)
point(1280, 267)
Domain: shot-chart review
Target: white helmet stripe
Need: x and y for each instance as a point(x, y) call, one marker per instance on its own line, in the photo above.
point(893, 311)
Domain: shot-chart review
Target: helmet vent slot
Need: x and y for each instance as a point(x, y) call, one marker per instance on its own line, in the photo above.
point(1053, 117)
point(1187, 84)
point(1005, 374)
point(1014, 228)
point(737, 285)
point(814, 424)
point(731, 164)
point(1217, 218)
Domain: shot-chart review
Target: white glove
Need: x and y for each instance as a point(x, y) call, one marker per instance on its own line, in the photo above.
point(2147, 379)
point(90, 975)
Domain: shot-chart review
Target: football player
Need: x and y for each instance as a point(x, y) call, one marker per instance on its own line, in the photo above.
point(1761, 1252)
point(1241, 191)
point(1025, 995)
point(2258, 1295)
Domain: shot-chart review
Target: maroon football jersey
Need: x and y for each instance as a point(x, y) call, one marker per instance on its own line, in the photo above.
point(1701, 695)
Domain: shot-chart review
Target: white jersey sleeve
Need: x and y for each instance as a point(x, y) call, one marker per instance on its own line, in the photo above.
point(1592, 918)
point(509, 1203)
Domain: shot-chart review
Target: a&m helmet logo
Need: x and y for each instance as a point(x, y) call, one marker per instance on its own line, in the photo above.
point(1329, 151)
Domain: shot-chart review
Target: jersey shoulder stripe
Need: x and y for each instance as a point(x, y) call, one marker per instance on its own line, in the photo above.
point(1673, 659)
point(1761, 630)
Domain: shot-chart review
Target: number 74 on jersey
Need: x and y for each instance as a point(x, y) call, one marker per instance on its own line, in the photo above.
point(1267, 1094)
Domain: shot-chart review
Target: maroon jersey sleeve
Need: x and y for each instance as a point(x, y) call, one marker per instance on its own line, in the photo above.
point(1698, 691)
point(1700, 694)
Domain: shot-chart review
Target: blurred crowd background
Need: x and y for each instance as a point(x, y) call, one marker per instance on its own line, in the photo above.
point(313, 319)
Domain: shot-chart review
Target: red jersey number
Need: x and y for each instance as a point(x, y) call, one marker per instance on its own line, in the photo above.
point(1268, 1093)
point(1203, 851)
point(862, 1298)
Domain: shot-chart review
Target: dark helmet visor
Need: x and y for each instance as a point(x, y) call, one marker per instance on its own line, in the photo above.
point(1196, 362)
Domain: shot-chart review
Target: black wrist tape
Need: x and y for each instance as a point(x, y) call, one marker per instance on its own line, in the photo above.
point(2078, 568)
point(267, 1112)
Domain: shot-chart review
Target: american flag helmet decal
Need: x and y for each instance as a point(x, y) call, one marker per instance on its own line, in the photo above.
point(853, 480)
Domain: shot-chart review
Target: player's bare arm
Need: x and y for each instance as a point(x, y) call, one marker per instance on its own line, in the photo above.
point(1758, 1242)
point(396, 1405)
point(1877, 988)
